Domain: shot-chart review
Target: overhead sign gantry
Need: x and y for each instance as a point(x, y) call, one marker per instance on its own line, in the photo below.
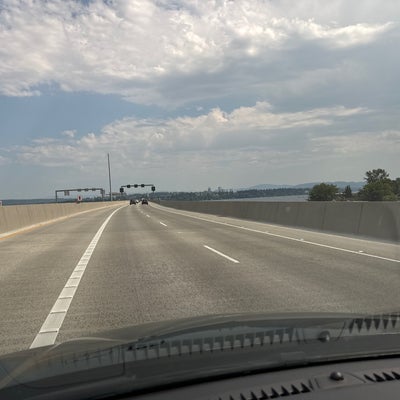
point(67, 192)
point(136, 185)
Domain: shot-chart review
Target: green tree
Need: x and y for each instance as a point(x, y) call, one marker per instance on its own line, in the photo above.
point(378, 187)
point(323, 192)
point(376, 175)
point(348, 194)
point(396, 186)
point(377, 191)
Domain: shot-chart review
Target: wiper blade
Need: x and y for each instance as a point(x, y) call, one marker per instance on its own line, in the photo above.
point(375, 324)
point(239, 333)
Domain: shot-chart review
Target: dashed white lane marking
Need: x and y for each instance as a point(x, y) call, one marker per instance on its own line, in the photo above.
point(221, 254)
point(284, 237)
point(147, 215)
point(162, 223)
point(51, 326)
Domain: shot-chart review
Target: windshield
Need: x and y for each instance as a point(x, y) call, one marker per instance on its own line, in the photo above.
point(167, 160)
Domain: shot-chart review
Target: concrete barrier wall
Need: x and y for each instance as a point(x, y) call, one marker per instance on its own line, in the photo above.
point(381, 219)
point(378, 220)
point(16, 217)
point(343, 217)
point(311, 217)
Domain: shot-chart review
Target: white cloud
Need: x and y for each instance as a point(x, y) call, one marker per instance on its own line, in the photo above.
point(4, 160)
point(69, 133)
point(386, 142)
point(134, 49)
point(246, 132)
point(246, 146)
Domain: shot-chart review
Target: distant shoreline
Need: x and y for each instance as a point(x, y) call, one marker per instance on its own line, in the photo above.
point(299, 197)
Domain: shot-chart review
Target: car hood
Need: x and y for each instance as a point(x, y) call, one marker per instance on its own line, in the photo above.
point(172, 351)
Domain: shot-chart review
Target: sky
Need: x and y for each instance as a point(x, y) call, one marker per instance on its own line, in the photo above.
point(195, 94)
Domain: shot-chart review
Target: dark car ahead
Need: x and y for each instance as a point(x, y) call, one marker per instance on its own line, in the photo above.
point(144, 201)
point(132, 202)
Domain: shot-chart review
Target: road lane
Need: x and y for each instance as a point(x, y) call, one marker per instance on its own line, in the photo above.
point(34, 267)
point(49, 331)
point(352, 243)
point(320, 278)
point(151, 264)
point(143, 271)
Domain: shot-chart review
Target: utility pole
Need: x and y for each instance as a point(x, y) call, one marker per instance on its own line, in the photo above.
point(109, 175)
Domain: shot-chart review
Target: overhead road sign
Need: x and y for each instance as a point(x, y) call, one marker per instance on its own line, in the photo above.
point(136, 185)
point(67, 193)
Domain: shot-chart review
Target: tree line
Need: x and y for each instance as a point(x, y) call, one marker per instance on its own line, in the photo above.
point(226, 195)
point(378, 187)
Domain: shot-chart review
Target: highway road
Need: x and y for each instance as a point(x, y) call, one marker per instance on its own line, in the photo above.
point(134, 264)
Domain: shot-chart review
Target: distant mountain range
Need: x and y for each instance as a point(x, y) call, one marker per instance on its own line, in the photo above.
point(340, 184)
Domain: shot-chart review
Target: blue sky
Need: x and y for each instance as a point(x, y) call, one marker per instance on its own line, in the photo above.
point(193, 94)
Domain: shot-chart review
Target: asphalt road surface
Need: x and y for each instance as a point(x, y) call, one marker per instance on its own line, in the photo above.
point(91, 272)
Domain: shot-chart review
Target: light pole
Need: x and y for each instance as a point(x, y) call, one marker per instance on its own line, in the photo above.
point(109, 174)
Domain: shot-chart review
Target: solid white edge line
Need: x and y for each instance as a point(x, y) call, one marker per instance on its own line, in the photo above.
point(49, 331)
point(162, 223)
point(284, 237)
point(221, 254)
